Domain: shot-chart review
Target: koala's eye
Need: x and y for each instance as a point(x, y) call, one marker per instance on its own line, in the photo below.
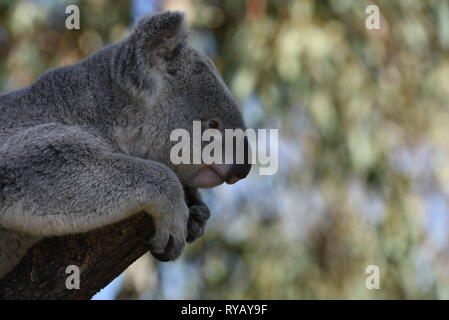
point(213, 124)
point(171, 71)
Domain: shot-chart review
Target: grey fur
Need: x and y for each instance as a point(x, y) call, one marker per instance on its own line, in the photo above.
point(88, 144)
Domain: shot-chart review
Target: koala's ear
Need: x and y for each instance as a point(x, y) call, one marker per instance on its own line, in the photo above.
point(161, 35)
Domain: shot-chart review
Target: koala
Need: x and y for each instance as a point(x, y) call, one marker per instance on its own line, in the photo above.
point(88, 145)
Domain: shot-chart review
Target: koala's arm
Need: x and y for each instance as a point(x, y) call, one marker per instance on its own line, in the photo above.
point(60, 179)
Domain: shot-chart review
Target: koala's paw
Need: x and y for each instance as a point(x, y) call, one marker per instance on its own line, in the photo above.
point(196, 225)
point(170, 235)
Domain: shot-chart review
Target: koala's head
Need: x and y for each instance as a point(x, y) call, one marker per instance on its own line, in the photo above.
point(180, 85)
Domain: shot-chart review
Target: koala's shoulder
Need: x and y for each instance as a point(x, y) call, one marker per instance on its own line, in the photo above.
point(52, 141)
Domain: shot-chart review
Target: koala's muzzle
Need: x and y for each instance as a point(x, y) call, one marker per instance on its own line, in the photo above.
point(239, 171)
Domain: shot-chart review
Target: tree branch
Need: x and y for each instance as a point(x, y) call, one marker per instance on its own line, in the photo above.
point(101, 255)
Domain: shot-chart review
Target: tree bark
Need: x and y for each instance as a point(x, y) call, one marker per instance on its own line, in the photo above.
point(101, 256)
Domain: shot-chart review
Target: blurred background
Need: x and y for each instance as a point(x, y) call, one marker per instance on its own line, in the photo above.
point(363, 121)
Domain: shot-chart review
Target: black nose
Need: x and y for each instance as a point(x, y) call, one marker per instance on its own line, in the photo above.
point(240, 170)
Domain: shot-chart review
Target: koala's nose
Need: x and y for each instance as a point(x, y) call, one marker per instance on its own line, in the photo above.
point(240, 171)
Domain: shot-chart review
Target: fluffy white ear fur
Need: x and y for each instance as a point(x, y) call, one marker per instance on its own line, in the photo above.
point(161, 34)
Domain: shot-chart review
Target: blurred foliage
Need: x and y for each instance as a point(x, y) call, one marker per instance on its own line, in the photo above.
point(363, 155)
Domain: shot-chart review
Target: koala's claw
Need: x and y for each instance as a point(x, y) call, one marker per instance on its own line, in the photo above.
point(171, 251)
point(197, 221)
point(170, 237)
